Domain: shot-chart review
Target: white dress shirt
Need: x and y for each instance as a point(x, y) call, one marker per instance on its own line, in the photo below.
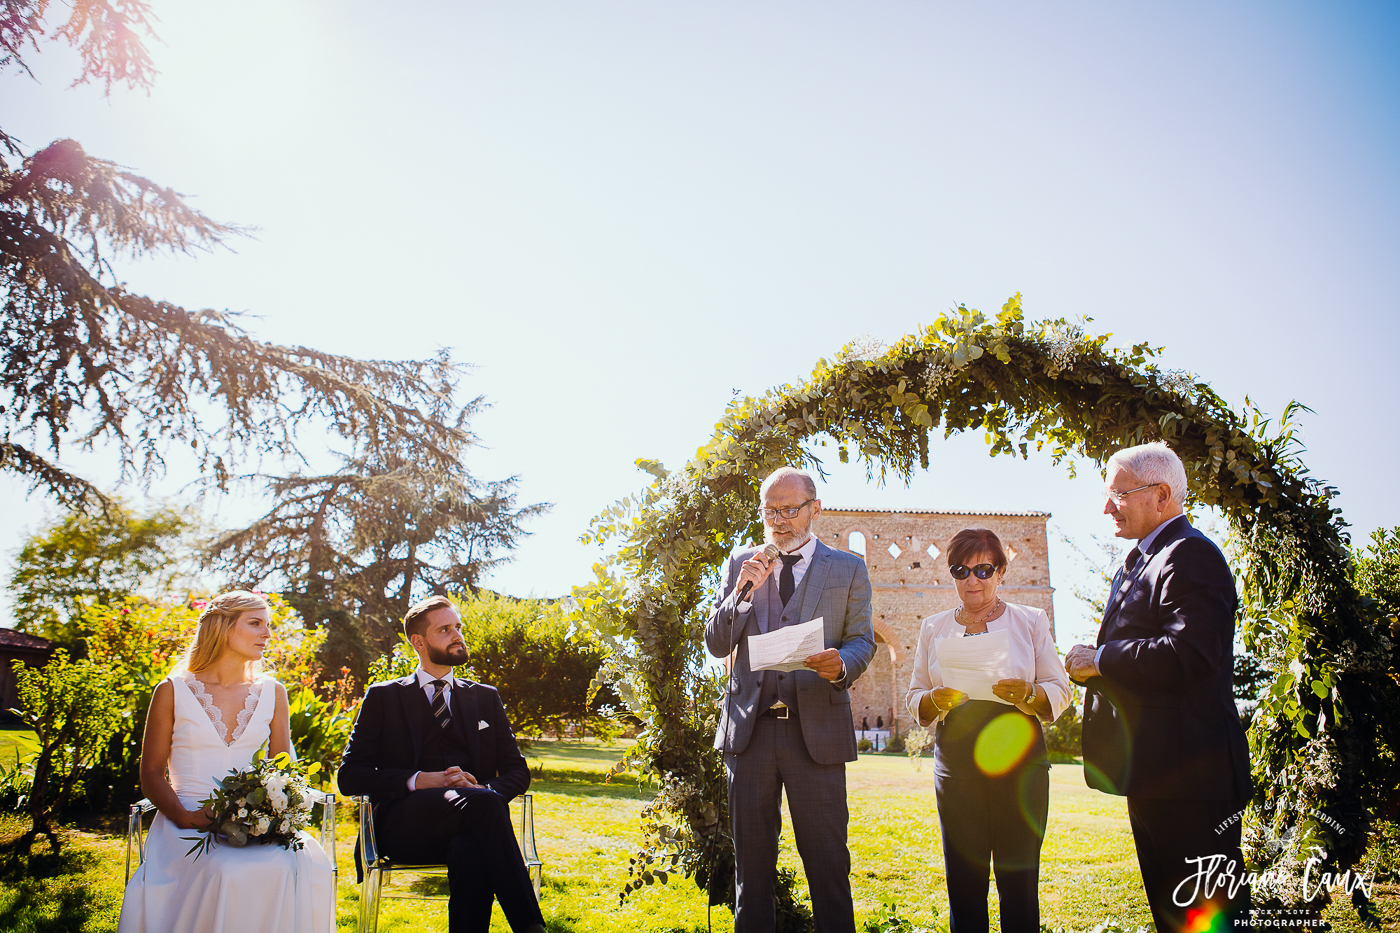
point(425, 680)
point(1031, 656)
point(799, 569)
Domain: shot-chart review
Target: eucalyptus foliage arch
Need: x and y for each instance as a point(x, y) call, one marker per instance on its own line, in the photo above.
point(1324, 734)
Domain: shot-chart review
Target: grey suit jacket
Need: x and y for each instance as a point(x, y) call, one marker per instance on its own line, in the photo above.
point(836, 588)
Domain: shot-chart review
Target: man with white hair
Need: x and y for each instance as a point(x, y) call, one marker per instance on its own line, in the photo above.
point(791, 729)
point(1160, 724)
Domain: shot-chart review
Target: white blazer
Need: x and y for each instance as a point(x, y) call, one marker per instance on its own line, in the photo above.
point(1031, 656)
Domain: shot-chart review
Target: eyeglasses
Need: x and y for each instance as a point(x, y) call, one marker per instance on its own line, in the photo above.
point(1121, 497)
point(769, 514)
point(981, 571)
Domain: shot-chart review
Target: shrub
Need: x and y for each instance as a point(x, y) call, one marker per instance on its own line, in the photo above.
point(864, 745)
point(320, 729)
point(896, 744)
point(1063, 737)
point(73, 707)
point(138, 641)
point(543, 666)
point(1383, 853)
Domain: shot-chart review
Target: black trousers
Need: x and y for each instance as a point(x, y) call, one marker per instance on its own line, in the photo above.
point(991, 822)
point(1175, 841)
point(468, 829)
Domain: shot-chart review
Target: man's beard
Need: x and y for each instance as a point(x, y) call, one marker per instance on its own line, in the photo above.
point(787, 540)
point(450, 656)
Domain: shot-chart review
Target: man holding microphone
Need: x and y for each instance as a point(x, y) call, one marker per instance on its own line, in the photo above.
point(794, 729)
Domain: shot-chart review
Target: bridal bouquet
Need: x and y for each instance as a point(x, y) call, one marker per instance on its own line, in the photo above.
point(268, 802)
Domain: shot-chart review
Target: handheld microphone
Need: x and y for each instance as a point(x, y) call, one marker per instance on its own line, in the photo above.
point(770, 551)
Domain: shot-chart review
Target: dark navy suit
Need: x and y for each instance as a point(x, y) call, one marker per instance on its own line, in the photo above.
point(468, 829)
point(1160, 724)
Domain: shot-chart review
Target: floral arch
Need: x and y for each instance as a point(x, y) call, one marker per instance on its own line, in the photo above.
point(1325, 731)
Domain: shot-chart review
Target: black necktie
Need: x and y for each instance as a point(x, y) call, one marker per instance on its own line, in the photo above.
point(440, 710)
point(1130, 561)
point(786, 583)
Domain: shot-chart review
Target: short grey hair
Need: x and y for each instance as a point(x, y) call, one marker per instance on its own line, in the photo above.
point(782, 473)
point(1154, 463)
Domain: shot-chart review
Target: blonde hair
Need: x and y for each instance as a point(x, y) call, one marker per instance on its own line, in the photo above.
point(211, 632)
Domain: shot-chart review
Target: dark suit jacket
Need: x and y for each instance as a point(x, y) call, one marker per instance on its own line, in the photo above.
point(1161, 722)
point(387, 740)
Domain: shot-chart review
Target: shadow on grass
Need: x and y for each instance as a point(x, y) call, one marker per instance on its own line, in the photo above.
point(591, 752)
point(46, 892)
point(585, 784)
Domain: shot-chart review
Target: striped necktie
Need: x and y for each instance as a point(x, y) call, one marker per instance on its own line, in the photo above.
point(441, 713)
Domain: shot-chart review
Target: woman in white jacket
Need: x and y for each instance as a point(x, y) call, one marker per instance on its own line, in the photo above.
point(991, 775)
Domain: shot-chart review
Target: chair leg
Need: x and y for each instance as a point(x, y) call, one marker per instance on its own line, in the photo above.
point(328, 845)
point(369, 902)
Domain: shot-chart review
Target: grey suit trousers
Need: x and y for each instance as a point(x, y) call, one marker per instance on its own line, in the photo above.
point(777, 758)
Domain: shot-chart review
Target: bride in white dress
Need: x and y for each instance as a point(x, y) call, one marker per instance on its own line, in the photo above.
point(206, 719)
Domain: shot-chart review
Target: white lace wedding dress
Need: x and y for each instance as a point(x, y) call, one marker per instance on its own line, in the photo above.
point(255, 889)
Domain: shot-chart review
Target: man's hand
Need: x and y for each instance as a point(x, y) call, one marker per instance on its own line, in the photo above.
point(1079, 663)
point(826, 663)
point(755, 570)
point(452, 777)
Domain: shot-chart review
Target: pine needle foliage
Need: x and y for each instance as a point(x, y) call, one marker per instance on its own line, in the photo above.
point(85, 360)
point(354, 549)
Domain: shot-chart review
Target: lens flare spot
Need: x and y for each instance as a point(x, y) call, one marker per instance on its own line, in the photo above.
point(1207, 918)
point(1003, 744)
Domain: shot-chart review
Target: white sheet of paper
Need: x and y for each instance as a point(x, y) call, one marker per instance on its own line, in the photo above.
point(973, 664)
point(786, 648)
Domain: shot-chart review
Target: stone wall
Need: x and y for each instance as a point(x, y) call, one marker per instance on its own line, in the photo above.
point(909, 573)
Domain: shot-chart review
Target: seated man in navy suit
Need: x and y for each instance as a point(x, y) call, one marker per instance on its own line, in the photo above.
point(438, 760)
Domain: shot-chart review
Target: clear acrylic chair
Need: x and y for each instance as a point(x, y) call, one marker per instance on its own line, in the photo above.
point(378, 869)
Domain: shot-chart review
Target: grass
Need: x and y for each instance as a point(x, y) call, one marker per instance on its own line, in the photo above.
point(586, 830)
point(78, 889)
point(13, 740)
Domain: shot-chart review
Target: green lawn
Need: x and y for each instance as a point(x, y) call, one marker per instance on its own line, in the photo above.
point(12, 739)
point(586, 830)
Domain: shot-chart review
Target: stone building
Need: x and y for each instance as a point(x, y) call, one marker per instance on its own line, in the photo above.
point(904, 553)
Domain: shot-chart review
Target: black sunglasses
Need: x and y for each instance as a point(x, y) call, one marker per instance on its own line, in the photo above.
point(983, 571)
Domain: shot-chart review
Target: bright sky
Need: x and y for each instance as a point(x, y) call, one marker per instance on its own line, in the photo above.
point(622, 212)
